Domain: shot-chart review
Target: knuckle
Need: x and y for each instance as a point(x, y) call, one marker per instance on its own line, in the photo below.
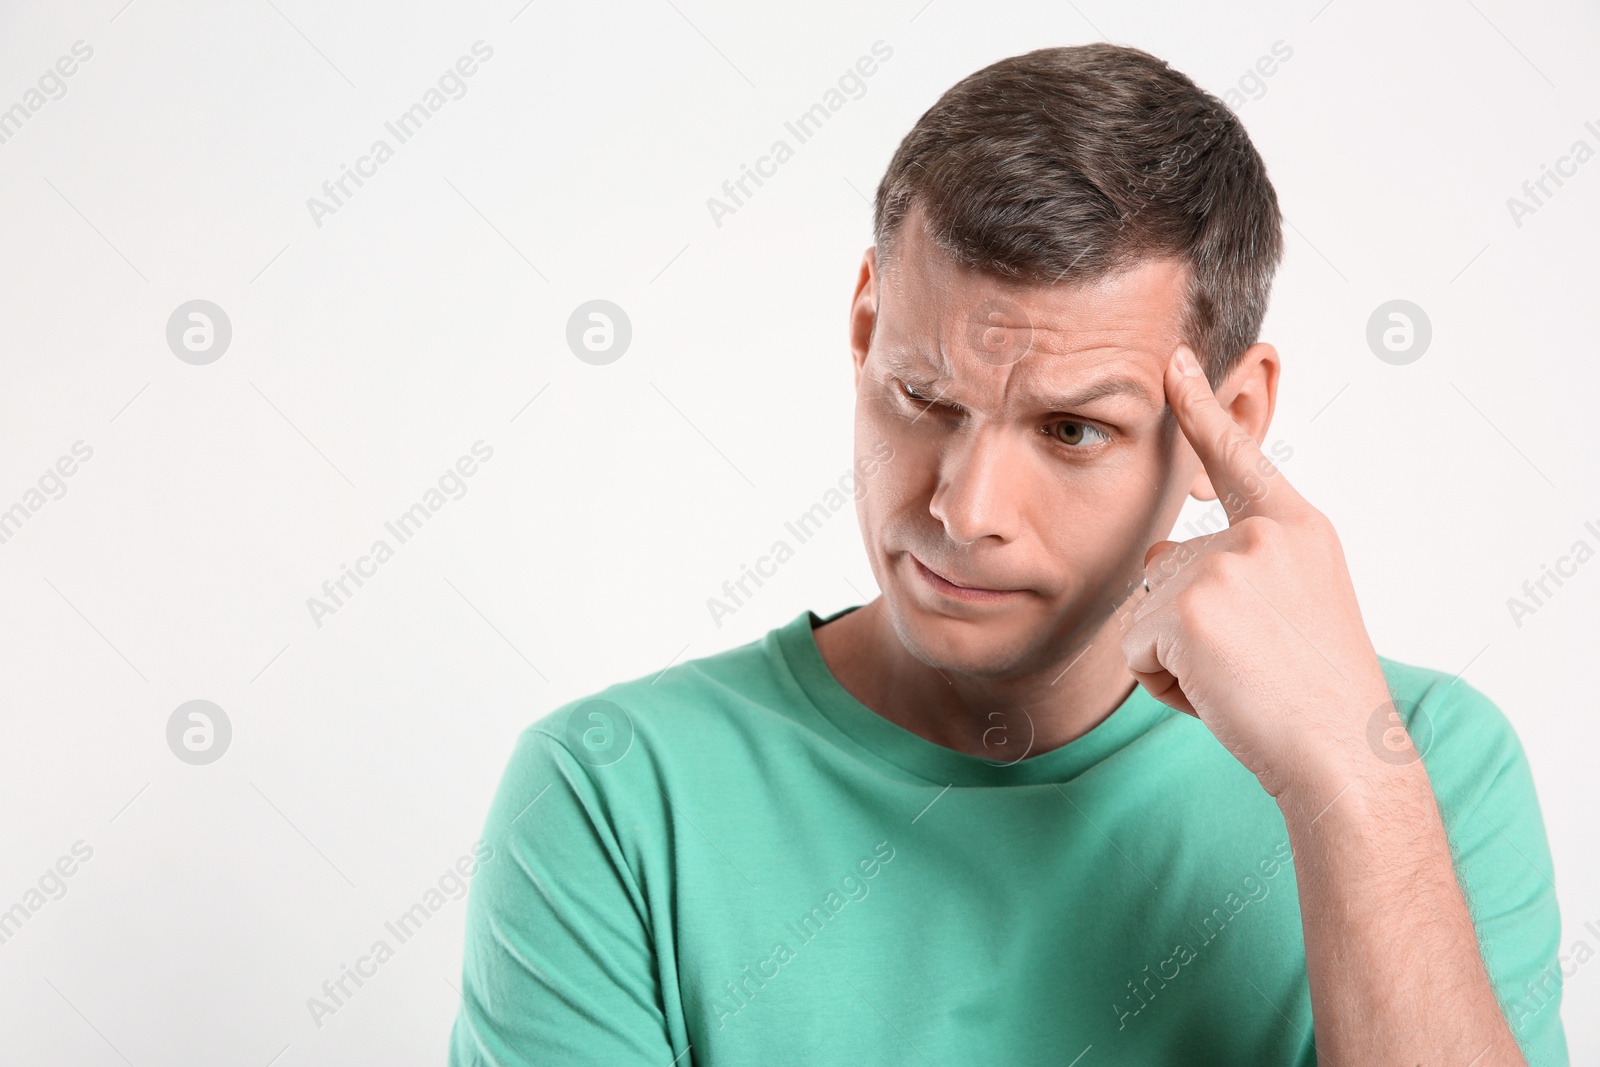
point(1187, 609)
point(1257, 532)
point(1221, 568)
point(1319, 523)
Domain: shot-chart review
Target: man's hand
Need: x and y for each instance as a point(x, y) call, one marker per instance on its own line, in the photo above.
point(1255, 629)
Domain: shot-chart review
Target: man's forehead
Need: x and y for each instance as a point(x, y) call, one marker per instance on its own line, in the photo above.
point(934, 305)
point(995, 339)
point(1049, 336)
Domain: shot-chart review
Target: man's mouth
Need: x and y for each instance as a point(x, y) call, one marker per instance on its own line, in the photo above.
point(959, 588)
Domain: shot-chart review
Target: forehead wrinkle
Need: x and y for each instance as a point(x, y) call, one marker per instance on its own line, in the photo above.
point(1069, 347)
point(1069, 350)
point(910, 358)
point(1053, 394)
point(1110, 385)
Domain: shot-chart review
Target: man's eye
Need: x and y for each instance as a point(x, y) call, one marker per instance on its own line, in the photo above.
point(911, 394)
point(920, 398)
point(1074, 433)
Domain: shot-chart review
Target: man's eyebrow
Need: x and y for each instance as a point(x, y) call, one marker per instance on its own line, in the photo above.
point(912, 359)
point(1115, 386)
point(906, 360)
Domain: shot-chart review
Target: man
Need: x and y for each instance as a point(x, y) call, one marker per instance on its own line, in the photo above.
point(1066, 792)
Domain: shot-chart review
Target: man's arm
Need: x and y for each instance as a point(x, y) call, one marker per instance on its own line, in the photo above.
point(560, 966)
point(1483, 799)
point(1256, 631)
point(1391, 951)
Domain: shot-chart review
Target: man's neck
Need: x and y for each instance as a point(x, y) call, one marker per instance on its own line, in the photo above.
point(997, 720)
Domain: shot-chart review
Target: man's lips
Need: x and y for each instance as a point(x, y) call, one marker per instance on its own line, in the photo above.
point(958, 586)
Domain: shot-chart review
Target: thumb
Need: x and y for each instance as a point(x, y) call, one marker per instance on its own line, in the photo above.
point(1156, 549)
point(1163, 560)
point(1163, 685)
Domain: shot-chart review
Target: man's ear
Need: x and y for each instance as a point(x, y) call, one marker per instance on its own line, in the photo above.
point(1249, 393)
point(864, 311)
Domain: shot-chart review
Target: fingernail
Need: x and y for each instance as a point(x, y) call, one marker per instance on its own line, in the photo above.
point(1186, 361)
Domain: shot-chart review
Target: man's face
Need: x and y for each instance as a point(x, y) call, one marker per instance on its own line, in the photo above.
point(1033, 451)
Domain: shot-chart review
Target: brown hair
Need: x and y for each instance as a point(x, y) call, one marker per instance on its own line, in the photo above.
point(1069, 164)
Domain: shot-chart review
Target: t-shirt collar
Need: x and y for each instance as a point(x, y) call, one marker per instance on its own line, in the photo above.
point(881, 739)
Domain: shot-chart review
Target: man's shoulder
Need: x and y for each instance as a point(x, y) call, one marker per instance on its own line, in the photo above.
point(699, 698)
point(1429, 700)
point(1467, 743)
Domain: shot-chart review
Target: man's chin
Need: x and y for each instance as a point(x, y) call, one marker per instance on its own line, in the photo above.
point(985, 642)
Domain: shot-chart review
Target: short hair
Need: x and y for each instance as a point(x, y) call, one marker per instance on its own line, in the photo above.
point(1074, 163)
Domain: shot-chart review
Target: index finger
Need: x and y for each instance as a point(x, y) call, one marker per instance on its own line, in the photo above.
point(1238, 469)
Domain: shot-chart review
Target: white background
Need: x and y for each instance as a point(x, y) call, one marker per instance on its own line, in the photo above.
point(431, 308)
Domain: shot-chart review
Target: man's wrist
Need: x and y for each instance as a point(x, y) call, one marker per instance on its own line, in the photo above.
point(1356, 792)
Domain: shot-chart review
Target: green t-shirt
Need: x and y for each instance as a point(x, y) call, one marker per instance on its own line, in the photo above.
point(737, 862)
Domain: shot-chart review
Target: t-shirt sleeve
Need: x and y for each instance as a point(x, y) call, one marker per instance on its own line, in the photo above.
point(559, 968)
point(1484, 787)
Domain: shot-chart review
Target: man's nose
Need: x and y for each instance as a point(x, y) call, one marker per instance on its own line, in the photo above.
point(980, 491)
